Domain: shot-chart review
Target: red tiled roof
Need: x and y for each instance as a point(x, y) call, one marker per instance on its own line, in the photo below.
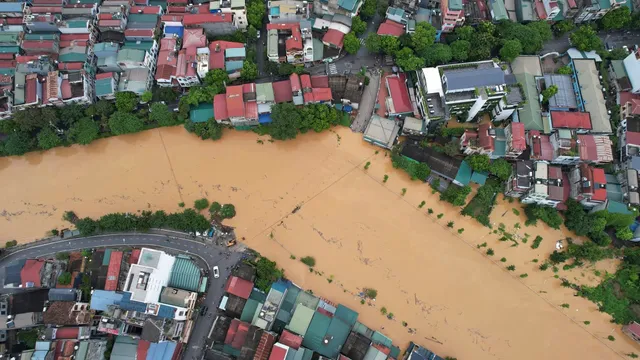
point(322, 94)
point(595, 148)
point(633, 138)
point(151, 10)
point(38, 45)
point(67, 333)
point(194, 38)
point(165, 71)
point(282, 91)
point(231, 333)
point(305, 79)
point(216, 52)
point(65, 89)
point(333, 37)
point(70, 66)
point(282, 26)
point(251, 110)
point(139, 32)
point(485, 140)
point(52, 85)
point(235, 285)
point(108, 22)
point(31, 270)
point(171, 18)
point(237, 333)
point(295, 82)
point(7, 56)
point(264, 346)
point(518, 141)
point(308, 97)
point(181, 66)
point(541, 146)
point(599, 184)
point(571, 120)
point(143, 348)
point(572, 3)
point(633, 328)
point(6, 79)
point(111, 284)
point(106, 76)
point(220, 107)
point(279, 352)
point(391, 28)
point(46, 9)
point(399, 93)
point(542, 13)
point(290, 339)
point(632, 100)
point(7, 64)
point(31, 88)
point(197, 19)
point(135, 253)
point(248, 88)
point(295, 41)
point(468, 135)
point(320, 81)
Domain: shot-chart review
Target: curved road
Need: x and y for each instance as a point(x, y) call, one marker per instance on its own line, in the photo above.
point(212, 255)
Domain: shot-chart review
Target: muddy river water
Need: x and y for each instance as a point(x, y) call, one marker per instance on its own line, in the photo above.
point(362, 232)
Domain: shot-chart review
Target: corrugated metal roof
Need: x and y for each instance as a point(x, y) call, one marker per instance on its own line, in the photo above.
point(185, 273)
point(161, 351)
point(249, 310)
point(300, 320)
point(101, 299)
point(347, 315)
point(316, 332)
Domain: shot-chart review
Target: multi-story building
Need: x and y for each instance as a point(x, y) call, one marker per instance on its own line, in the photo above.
point(495, 142)
point(588, 185)
point(286, 11)
point(343, 7)
point(237, 107)
point(234, 8)
point(286, 42)
point(452, 13)
point(220, 23)
point(548, 187)
point(632, 69)
point(430, 95)
point(591, 10)
point(521, 179)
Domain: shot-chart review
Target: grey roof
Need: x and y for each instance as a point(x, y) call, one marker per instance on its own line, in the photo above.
point(635, 162)
point(63, 295)
point(565, 97)
point(473, 78)
point(12, 272)
point(151, 331)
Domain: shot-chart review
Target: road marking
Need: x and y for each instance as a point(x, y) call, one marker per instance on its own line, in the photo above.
point(332, 69)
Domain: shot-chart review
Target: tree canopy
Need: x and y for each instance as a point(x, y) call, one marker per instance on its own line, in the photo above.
point(438, 54)
point(124, 123)
point(126, 101)
point(510, 50)
point(249, 71)
point(460, 50)
point(479, 162)
point(616, 19)
point(501, 169)
point(407, 60)
point(358, 25)
point(373, 43)
point(84, 131)
point(48, 139)
point(285, 121)
point(368, 8)
point(351, 43)
point(423, 37)
point(255, 13)
point(585, 39)
point(161, 114)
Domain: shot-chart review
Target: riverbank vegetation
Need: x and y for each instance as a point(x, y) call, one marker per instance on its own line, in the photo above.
point(481, 205)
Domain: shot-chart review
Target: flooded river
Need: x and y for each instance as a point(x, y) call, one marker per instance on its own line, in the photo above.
point(361, 231)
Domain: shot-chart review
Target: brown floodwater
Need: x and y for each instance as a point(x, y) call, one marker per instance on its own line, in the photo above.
point(362, 232)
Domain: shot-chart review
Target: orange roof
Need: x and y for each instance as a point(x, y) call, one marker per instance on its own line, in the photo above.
point(571, 120)
point(391, 28)
point(113, 271)
point(216, 52)
point(295, 82)
point(194, 38)
point(305, 79)
point(333, 37)
point(321, 94)
point(197, 19)
point(220, 107)
point(235, 285)
point(295, 41)
point(235, 108)
point(30, 272)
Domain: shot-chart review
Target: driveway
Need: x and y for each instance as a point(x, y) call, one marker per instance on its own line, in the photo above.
point(368, 103)
point(209, 254)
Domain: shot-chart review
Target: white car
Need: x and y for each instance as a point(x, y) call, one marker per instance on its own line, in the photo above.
point(216, 272)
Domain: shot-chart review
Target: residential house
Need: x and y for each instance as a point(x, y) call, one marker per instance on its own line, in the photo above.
point(526, 69)
point(106, 85)
point(632, 70)
point(215, 56)
point(588, 185)
point(565, 99)
point(234, 8)
point(265, 97)
point(507, 142)
point(452, 12)
point(629, 104)
point(430, 95)
point(67, 313)
point(398, 103)
point(213, 24)
point(391, 28)
point(591, 98)
point(106, 56)
point(286, 11)
point(349, 8)
point(498, 10)
point(6, 98)
point(548, 186)
point(315, 94)
point(347, 89)
point(571, 149)
point(296, 89)
point(472, 88)
point(287, 42)
point(521, 179)
point(381, 131)
point(238, 106)
point(592, 10)
point(12, 9)
point(267, 314)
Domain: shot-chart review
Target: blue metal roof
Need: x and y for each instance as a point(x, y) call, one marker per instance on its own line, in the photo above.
point(161, 351)
point(174, 30)
point(167, 312)
point(101, 299)
point(232, 66)
point(11, 7)
point(264, 118)
point(235, 53)
point(127, 304)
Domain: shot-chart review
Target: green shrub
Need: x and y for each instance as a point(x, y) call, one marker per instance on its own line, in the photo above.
point(309, 261)
point(440, 215)
point(430, 210)
point(383, 310)
point(544, 266)
point(385, 178)
point(450, 224)
point(504, 259)
point(370, 293)
point(524, 275)
point(404, 191)
point(536, 242)
point(611, 338)
point(490, 252)
point(511, 267)
point(460, 231)
point(201, 204)
point(587, 322)
point(10, 244)
point(565, 305)
point(421, 204)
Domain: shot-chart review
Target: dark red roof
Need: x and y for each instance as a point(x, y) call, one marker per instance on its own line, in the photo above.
point(67, 333)
point(278, 352)
point(171, 18)
point(599, 184)
point(633, 138)
point(197, 19)
point(135, 253)
point(220, 107)
point(143, 348)
point(485, 140)
point(295, 82)
point(282, 26)
point(237, 334)
point(633, 328)
point(46, 9)
point(321, 94)
point(571, 120)
point(467, 136)
point(251, 110)
point(572, 3)
point(151, 10)
point(282, 91)
point(31, 88)
point(333, 37)
point(107, 76)
point(139, 32)
point(111, 284)
point(295, 41)
point(264, 347)
point(235, 285)
point(391, 28)
point(399, 93)
point(30, 272)
point(290, 339)
point(320, 81)
point(541, 146)
point(306, 81)
point(216, 53)
point(632, 100)
point(235, 108)
point(70, 37)
point(542, 13)
point(518, 141)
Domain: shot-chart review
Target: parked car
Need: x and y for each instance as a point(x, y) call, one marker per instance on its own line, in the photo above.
point(216, 272)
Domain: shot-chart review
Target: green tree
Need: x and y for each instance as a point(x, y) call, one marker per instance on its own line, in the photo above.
point(585, 39)
point(373, 43)
point(64, 278)
point(501, 169)
point(228, 211)
point(616, 19)
point(486, 27)
point(358, 26)
point(624, 234)
point(543, 28)
point(126, 101)
point(510, 50)
point(267, 272)
point(17, 143)
point(146, 96)
point(465, 32)
point(161, 114)
point(564, 26)
point(104, 109)
point(438, 54)
point(455, 195)
point(252, 33)
point(62, 256)
point(529, 37)
point(406, 59)
point(420, 172)
point(215, 208)
point(48, 139)
point(389, 44)
point(249, 71)
point(201, 204)
point(483, 44)
point(286, 121)
point(84, 131)
point(351, 43)
point(479, 162)
point(70, 114)
point(255, 13)
point(460, 50)
point(368, 9)
point(382, 7)
point(165, 94)
point(549, 92)
point(317, 117)
point(122, 122)
point(216, 77)
point(565, 70)
point(205, 130)
point(423, 38)
point(32, 119)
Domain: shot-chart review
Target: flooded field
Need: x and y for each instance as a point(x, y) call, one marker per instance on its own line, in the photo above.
point(362, 232)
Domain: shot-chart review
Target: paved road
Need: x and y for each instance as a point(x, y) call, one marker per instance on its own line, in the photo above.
point(212, 255)
point(367, 104)
point(612, 39)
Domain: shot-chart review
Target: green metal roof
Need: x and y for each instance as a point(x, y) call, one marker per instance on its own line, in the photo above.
point(142, 45)
point(316, 333)
point(264, 92)
point(530, 115)
point(347, 315)
point(318, 50)
point(8, 71)
point(604, 4)
point(455, 4)
point(300, 320)
point(106, 258)
point(185, 273)
point(395, 351)
point(362, 329)
point(498, 10)
point(617, 208)
point(500, 148)
point(9, 49)
point(381, 339)
point(150, 18)
point(136, 55)
point(349, 5)
point(249, 310)
point(479, 177)
point(40, 36)
point(72, 57)
point(162, 3)
point(77, 23)
point(83, 348)
point(307, 300)
point(227, 349)
point(8, 37)
point(618, 68)
point(289, 300)
point(202, 113)
point(258, 295)
point(338, 332)
point(104, 87)
point(124, 348)
point(464, 173)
